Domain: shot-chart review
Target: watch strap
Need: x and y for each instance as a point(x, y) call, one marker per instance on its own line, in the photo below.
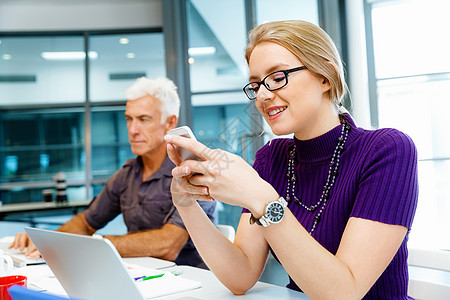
point(254, 220)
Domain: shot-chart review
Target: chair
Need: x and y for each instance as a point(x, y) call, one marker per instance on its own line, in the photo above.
point(227, 231)
point(429, 274)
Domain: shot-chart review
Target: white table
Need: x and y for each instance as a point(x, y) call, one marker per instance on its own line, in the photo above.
point(212, 288)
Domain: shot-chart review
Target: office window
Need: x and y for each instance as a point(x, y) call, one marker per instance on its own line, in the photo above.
point(37, 70)
point(38, 145)
point(44, 102)
point(412, 70)
point(216, 45)
point(120, 60)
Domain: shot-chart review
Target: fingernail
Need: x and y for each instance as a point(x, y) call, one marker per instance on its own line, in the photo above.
point(167, 138)
point(205, 191)
point(186, 170)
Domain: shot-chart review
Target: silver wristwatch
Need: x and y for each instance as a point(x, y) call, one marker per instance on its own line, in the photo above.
point(274, 213)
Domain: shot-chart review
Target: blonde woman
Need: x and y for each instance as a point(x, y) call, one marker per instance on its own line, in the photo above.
point(334, 204)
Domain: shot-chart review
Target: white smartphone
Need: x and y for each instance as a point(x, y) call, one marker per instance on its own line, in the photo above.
point(185, 131)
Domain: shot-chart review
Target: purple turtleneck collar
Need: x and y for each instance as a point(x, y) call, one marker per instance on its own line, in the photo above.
point(321, 147)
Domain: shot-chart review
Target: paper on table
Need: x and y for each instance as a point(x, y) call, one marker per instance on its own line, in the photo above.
point(165, 285)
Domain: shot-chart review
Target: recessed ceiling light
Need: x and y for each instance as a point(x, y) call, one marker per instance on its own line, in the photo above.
point(69, 55)
point(201, 51)
point(131, 55)
point(6, 56)
point(191, 60)
point(124, 41)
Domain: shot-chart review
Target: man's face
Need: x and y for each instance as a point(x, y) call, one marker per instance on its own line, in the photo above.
point(145, 131)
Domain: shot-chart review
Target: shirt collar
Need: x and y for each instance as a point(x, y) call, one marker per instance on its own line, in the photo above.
point(165, 169)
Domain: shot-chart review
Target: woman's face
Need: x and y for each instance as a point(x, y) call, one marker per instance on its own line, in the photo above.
point(301, 107)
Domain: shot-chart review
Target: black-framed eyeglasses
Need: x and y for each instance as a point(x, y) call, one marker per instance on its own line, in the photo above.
point(272, 82)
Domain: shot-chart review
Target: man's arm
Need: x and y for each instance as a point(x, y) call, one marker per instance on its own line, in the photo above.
point(165, 243)
point(78, 225)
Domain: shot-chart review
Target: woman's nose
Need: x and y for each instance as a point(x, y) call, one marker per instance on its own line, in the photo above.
point(264, 94)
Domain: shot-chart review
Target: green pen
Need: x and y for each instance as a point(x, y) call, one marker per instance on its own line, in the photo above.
point(153, 276)
point(176, 273)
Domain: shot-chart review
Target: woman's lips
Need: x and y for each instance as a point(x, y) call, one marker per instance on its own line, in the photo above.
point(275, 112)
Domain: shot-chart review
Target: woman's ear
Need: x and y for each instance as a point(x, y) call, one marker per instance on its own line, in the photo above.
point(325, 85)
point(325, 82)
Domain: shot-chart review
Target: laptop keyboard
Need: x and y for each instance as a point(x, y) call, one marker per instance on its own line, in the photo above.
point(19, 259)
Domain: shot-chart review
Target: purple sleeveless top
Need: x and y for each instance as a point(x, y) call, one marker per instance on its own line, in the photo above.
point(376, 180)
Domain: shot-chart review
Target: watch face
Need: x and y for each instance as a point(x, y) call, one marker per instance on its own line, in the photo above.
point(275, 212)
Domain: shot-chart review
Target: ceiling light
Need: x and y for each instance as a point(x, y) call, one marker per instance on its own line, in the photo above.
point(6, 56)
point(191, 60)
point(124, 41)
point(201, 51)
point(131, 55)
point(69, 55)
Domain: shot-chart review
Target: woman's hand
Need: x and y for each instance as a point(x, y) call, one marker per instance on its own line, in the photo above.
point(183, 192)
point(226, 176)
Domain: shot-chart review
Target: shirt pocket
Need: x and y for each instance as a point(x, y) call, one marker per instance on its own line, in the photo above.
point(154, 211)
point(130, 213)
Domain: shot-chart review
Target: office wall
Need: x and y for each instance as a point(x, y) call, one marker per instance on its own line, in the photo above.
point(48, 15)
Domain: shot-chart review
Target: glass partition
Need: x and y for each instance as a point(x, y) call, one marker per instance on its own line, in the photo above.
point(216, 45)
point(121, 60)
point(42, 70)
point(37, 145)
point(44, 100)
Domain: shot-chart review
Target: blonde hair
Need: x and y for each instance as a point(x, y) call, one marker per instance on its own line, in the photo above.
point(311, 44)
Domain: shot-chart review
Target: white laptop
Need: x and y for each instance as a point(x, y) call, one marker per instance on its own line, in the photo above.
point(91, 268)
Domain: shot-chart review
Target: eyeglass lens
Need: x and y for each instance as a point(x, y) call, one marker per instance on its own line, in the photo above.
point(272, 82)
